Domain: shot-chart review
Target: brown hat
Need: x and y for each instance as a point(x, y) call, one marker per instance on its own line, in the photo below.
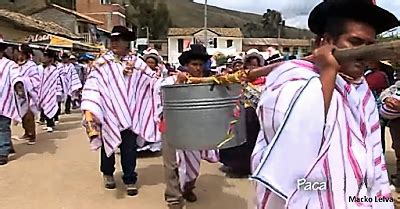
point(361, 10)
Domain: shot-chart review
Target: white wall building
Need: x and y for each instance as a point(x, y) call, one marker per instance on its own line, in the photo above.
point(224, 39)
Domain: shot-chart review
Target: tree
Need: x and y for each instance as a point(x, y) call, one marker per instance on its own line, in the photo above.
point(152, 15)
point(272, 22)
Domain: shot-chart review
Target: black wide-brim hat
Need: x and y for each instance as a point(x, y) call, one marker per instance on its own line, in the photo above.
point(361, 10)
point(123, 33)
point(195, 52)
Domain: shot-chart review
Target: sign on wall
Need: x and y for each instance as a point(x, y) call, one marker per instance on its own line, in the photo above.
point(38, 38)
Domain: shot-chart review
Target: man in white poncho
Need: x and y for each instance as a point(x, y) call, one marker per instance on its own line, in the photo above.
point(319, 146)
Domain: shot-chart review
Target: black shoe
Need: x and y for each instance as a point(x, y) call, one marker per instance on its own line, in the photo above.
point(190, 196)
point(225, 169)
point(132, 190)
point(3, 160)
point(12, 150)
point(176, 206)
point(67, 112)
point(109, 182)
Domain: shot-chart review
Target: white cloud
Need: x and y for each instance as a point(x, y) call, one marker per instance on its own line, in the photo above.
point(294, 11)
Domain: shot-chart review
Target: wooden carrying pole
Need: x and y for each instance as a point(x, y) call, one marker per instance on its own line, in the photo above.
point(375, 52)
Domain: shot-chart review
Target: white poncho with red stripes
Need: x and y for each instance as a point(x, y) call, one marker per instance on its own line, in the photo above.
point(344, 153)
point(30, 73)
point(49, 76)
point(9, 76)
point(72, 81)
point(120, 101)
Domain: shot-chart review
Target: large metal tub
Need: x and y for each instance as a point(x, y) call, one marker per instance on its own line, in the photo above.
point(199, 116)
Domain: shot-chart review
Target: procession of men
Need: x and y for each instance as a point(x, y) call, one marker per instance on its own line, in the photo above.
point(318, 120)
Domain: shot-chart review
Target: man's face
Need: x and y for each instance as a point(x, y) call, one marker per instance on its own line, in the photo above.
point(357, 34)
point(22, 56)
point(119, 46)
point(252, 64)
point(195, 68)
point(152, 63)
point(46, 60)
point(65, 60)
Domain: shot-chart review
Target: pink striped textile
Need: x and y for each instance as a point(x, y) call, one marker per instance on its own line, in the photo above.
point(120, 101)
point(9, 76)
point(343, 149)
point(49, 76)
point(30, 74)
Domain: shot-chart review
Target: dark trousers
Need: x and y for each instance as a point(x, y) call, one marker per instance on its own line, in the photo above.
point(128, 158)
point(49, 122)
point(58, 112)
point(68, 104)
point(5, 135)
point(42, 117)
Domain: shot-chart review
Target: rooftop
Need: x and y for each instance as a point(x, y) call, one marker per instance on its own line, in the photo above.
point(82, 17)
point(33, 24)
point(225, 32)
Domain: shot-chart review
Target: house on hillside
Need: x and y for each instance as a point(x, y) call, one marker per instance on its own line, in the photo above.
point(76, 22)
point(298, 47)
point(18, 27)
point(110, 12)
point(218, 38)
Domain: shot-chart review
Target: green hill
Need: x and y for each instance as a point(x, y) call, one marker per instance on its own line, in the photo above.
point(186, 13)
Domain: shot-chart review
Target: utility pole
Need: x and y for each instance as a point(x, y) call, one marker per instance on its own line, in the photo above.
point(205, 24)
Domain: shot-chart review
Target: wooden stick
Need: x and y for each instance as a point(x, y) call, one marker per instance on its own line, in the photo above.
point(375, 52)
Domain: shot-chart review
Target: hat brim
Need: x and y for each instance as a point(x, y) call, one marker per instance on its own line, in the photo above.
point(188, 55)
point(154, 56)
point(375, 16)
point(130, 36)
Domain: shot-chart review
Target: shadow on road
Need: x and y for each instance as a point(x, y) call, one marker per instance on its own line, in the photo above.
point(44, 144)
point(211, 195)
point(68, 126)
point(71, 119)
point(151, 175)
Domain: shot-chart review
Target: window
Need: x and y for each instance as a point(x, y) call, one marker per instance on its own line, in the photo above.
point(229, 43)
point(180, 45)
point(295, 50)
point(215, 43)
point(105, 1)
point(12, 1)
point(157, 47)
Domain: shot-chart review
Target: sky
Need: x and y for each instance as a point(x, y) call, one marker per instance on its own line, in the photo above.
point(294, 11)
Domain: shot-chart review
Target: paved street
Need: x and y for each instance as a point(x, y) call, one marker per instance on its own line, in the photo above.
point(59, 172)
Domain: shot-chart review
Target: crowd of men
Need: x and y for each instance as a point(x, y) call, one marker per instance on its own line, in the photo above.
point(312, 119)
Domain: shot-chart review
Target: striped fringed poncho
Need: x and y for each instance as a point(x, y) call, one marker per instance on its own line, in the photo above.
point(30, 73)
point(342, 151)
point(72, 80)
point(49, 76)
point(9, 76)
point(120, 101)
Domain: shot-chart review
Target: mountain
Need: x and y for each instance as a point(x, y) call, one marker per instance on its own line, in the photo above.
point(186, 13)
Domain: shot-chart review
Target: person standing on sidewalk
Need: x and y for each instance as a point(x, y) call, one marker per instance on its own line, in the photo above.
point(11, 90)
point(48, 89)
point(30, 74)
point(115, 97)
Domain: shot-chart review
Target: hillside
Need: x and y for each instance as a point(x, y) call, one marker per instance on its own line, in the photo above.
point(185, 13)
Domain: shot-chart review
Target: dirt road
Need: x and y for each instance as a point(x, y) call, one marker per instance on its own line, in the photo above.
point(59, 172)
